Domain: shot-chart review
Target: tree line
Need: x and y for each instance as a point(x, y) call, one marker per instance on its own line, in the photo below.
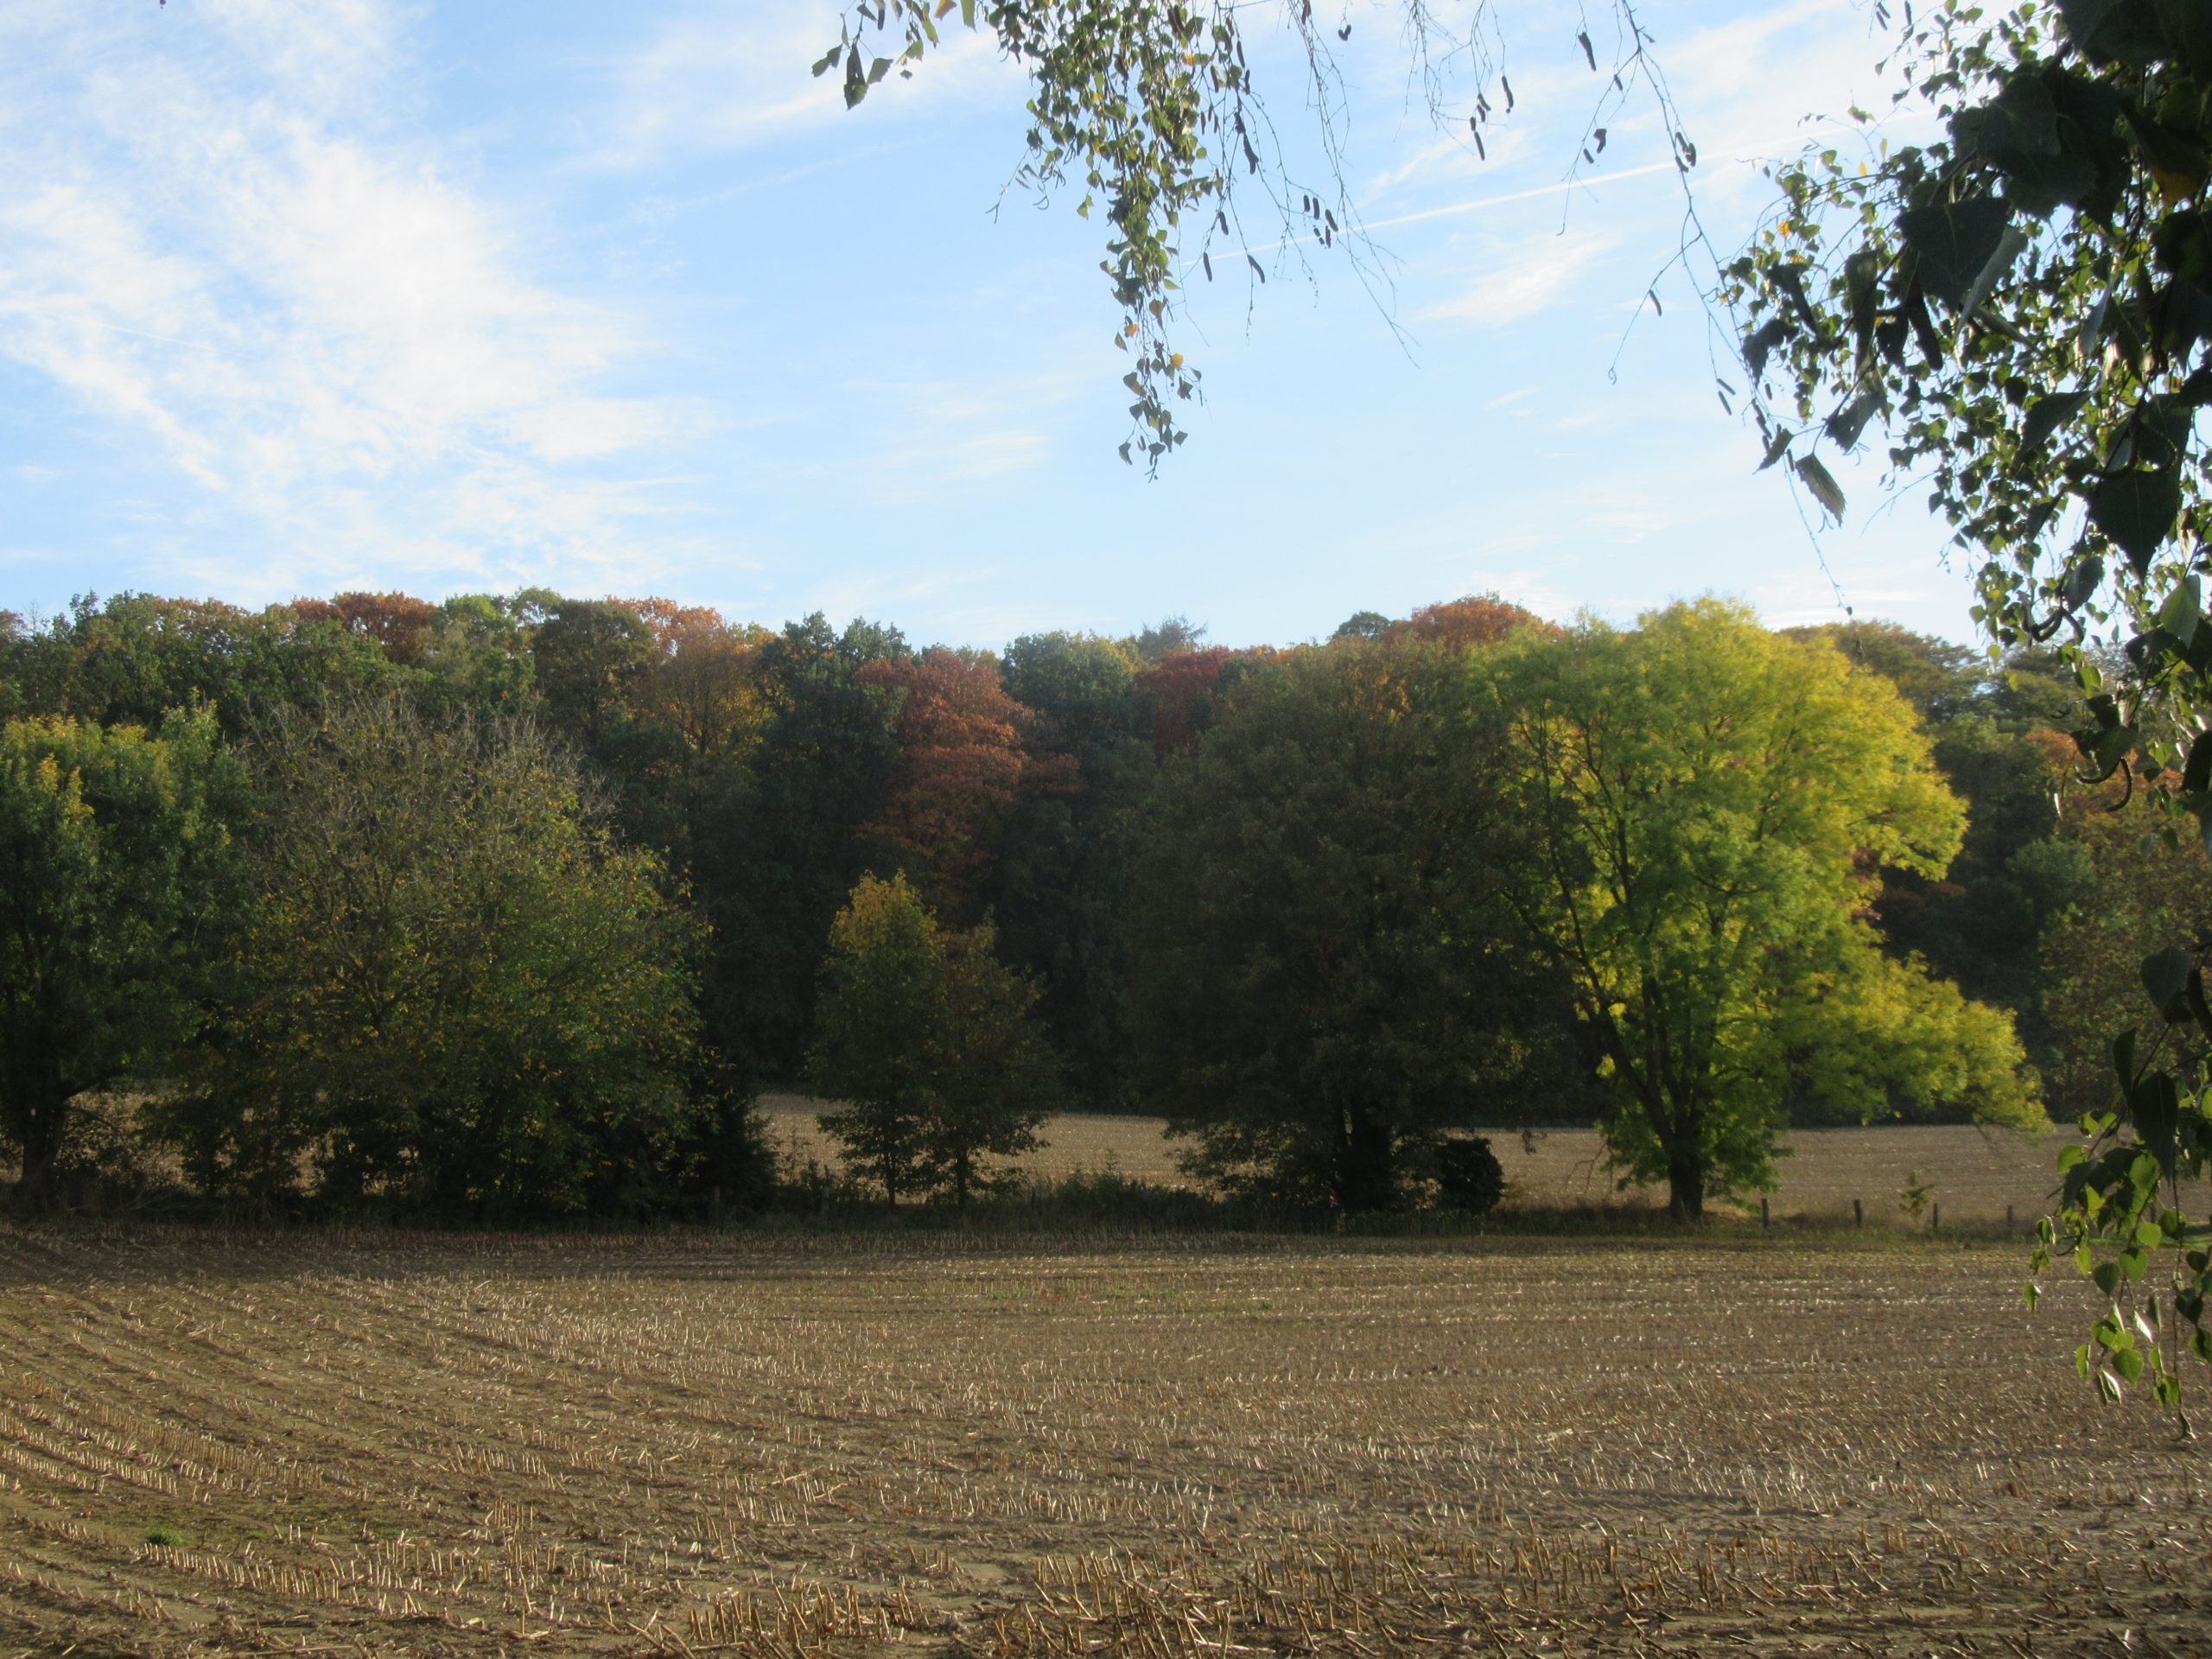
point(507, 907)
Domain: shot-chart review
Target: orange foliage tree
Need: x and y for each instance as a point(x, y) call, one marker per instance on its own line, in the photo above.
point(962, 760)
point(1464, 624)
point(702, 678)
point(400, 623)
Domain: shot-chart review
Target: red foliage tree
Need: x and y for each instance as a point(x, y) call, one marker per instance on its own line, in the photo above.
point(1180, 693)
point(962, 757)
point(1465, 624)
point(400, 623)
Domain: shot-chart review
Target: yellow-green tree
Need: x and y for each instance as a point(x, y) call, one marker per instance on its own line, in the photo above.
point(932, 1043)
point(116, 864)
point(1713, 805)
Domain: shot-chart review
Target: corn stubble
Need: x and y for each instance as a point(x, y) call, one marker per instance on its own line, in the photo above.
point(440, 1446)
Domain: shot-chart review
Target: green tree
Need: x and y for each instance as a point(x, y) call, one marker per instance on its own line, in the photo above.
point(128, 661)
point(1713, 806)
point(1323, 979)
point(458, 994)
point(777, 848)
point(993, 1079)
point(588, 654)
point(115, 874)
point(882, 1002)
point(1061, 878)
point(931, 1043)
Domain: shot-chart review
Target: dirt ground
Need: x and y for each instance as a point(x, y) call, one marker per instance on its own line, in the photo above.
point(1975, 1175)
point(768, 1445)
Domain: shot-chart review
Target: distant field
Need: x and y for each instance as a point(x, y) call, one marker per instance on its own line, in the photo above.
point(484, 1447)
point(1975, 1173)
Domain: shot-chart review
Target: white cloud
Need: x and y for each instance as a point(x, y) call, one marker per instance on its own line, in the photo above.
point(216, 237)
point(706, 79)
point(1516, 283)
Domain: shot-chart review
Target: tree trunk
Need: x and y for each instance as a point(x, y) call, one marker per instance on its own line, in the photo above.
point(1685, 1185)
point(1366, 1177)
point(44, 1129)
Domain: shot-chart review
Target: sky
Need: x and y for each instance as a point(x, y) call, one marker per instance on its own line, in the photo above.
point(298, 296)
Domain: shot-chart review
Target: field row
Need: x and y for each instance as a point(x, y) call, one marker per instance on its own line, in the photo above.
point(679, 1445)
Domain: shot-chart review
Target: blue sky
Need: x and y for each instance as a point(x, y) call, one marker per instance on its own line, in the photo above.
point(299, 296)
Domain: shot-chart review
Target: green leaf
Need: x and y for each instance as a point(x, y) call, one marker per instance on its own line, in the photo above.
point(2166, 977)
point(2184, 608)
point(2136, 511)
point(2128, 1363)
point(2069, 1156)
point(1825, 489)
point(1956, 242)
point(2108, 1385)
point(2046, 415)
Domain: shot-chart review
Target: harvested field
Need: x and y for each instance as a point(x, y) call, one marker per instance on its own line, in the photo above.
point(765, 1445)
point(1977, 1174)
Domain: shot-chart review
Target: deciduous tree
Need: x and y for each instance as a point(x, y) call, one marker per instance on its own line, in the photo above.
point(117, 877)
point(929, 1042)
point(458, 994)
point(1713, 806)
point(1323, 978)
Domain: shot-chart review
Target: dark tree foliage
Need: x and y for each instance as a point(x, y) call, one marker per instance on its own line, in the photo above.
point(1176, 696)
point(1469, 1177)
point(1062, 874)
point(779, 848)
point(589, 653)
point(1323, 980)
point(455, 994)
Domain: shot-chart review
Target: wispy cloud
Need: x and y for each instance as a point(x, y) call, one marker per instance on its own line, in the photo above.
point(1518, 282)
point(708, 80)
point(214, 238)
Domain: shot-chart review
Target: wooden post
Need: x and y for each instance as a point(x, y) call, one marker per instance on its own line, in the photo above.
point(2008, 1218)
point(1765, 1220)
point(1858, 1213)
point(1935, 1217)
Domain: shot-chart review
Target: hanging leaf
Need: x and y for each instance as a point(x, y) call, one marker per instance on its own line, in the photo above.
point(2046, 415)
point(2136, 511)
point(1761, 342)
point(1847, 422)
point(1954, 242)
point(2166, 977)
point(1823, 484)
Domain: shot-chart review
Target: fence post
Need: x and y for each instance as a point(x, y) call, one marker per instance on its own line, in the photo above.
point(2008, 1218)
point(1858, 1213)
point(1935, 1217)
point(1765, 1220)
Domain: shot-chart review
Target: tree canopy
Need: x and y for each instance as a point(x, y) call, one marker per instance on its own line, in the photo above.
point(117, 870)
point(1711, 806)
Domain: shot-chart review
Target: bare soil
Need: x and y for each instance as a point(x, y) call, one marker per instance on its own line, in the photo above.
point(374, 1444)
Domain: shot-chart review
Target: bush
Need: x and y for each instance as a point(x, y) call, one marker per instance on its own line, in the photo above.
point(1469, 1177)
